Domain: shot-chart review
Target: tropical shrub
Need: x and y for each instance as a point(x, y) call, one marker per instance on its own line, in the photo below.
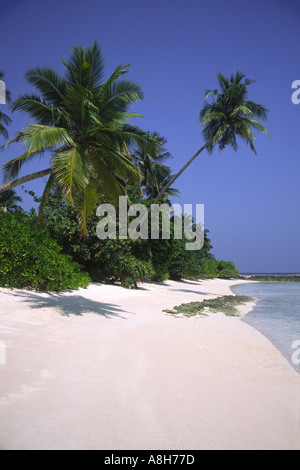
point(191, 264)
point(227, 270)
point(31, 259)
point(131, 270)
point(208, 268)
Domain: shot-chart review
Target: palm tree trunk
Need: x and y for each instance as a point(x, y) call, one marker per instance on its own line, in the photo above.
point(24, 179)
point(180, 172)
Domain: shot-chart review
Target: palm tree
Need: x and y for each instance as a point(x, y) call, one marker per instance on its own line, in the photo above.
point(8, 201)
point(4, 119)
point(83, 121)
point(229, 115)
point(163, 176)
point(148, 159)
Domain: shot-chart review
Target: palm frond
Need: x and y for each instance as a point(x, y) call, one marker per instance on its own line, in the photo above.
point(118, 96)
point(214, 116)
point(79, 105)
point(241, 110)
point(86, 202)
point(95, 60)
point(48, 83)
point(119, 71)
point(69, 169)
point(36, 139)
point(209, 93)
point(37, 108)
point(222, 82)
point(257, 125)
point(111, 186)
point(85, 67)
point(258, 110)
point(7, 120)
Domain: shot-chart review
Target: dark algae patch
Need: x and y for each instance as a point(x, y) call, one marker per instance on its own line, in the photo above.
point(226, 304)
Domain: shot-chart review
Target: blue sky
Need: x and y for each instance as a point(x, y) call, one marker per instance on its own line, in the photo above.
point(176, 48)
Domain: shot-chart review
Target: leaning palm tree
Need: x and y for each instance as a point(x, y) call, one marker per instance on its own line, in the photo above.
point(229, 115)
point(8, 201)
point(83, 121)
point(4, 119)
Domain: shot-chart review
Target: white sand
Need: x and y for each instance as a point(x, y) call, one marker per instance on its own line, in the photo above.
point(105, 368)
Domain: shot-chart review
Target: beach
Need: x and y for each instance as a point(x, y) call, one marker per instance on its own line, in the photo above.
point(106, 368)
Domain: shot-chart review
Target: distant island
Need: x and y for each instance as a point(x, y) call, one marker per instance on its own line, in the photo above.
point(271, 277)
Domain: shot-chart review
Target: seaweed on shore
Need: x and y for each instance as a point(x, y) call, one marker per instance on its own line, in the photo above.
point(226, 304)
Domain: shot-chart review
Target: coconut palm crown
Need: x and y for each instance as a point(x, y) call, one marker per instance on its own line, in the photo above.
point(230, 114)
point(150, 161)
point(84, 122)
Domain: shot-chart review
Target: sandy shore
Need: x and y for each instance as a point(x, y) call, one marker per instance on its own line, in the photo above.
point(105, 368)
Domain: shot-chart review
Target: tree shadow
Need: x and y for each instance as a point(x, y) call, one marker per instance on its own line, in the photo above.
point(67, 305)
point(185, 281)
point(151, 283)
point(190, 291)
point(158, 283)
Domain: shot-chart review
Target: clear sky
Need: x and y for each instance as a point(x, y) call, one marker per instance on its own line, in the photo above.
point(176, 48)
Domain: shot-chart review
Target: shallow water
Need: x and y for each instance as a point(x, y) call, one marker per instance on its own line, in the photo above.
point(276, 315)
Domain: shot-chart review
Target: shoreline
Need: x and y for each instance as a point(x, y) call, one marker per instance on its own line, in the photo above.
point(277, 344)
point(105, 368)
point(246, 308)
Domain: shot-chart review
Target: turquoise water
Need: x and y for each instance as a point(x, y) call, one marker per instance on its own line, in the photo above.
point(276, 315)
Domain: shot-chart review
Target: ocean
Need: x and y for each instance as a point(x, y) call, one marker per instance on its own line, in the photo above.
point(276, 315)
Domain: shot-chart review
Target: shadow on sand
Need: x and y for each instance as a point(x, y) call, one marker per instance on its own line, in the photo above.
point(189, 291)
point(69, 304)
point(186, 281)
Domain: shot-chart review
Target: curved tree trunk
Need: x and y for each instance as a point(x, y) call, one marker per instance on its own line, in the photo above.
point(24, 179)
point(181, 171)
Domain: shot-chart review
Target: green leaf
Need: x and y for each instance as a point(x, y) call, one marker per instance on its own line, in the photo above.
point(69, 169)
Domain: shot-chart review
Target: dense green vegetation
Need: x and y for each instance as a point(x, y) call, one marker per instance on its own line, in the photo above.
point(57, 257)
point(30, 258)
point(106, 260)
